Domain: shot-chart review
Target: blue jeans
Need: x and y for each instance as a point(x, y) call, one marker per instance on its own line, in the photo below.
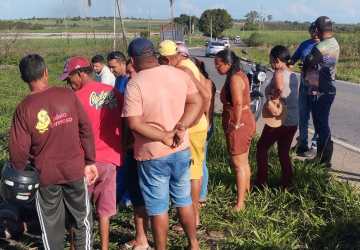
point(305, 108)
point(164, 177)
point(205, 177)
point(321, 112)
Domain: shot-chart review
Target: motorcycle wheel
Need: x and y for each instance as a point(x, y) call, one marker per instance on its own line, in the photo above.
point(256, 106)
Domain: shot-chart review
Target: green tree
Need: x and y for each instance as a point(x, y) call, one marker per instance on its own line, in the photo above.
point(253, 17)
point(184, 19)
point(253, 20)
point(220, 20)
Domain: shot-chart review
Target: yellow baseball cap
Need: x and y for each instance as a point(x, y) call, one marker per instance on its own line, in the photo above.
point(167, 48)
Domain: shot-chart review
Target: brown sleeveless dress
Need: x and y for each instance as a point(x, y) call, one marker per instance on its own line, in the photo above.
point(238, 141)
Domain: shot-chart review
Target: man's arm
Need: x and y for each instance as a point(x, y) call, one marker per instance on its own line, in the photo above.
point(296, 56)
point(137, 125)
point(193, 107)
point(313, 59)
point(88, 144)
point(204, 92)
point(20, 141)
point(86, 134)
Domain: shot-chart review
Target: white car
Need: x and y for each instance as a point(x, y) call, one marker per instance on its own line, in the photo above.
point(226, 40)
point(237, 39)
point(214, 47)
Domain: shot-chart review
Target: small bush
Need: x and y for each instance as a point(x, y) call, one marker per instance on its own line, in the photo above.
point(256, 39)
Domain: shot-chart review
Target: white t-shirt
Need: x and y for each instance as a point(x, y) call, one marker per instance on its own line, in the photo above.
point(106, 76)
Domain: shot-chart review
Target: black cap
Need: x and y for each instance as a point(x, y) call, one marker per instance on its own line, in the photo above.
point(141, 47)
point(324, 23)
point(312, 28)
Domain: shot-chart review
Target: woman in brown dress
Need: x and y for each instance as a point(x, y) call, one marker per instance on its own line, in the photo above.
point(237, 119)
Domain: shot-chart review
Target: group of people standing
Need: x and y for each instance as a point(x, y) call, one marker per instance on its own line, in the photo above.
point(289, 104)
point(142, 127)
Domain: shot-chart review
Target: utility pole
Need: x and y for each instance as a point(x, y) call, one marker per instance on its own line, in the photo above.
point(190, 29)
point(149, 25)
point(114, 36)
point(172, 10)
point(211, 27)
point(122, 24)
point(66, 25)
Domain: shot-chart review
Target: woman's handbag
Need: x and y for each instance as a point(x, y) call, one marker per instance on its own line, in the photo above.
point(274, 112)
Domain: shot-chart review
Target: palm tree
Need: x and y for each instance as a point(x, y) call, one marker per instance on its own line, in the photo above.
point(172, 9)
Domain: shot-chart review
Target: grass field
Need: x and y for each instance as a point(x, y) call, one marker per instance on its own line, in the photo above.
point(317, 213)
point(93, 25)
point(263, 40)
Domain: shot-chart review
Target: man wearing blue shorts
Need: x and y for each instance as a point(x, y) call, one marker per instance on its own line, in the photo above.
point(161, 102)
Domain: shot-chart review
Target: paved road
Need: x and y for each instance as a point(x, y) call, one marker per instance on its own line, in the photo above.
point(345, 115)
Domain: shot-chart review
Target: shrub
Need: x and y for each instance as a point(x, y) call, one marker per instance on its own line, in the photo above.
point(256, 39)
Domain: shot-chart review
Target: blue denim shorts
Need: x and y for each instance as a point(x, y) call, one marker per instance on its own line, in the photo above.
point(165, 177)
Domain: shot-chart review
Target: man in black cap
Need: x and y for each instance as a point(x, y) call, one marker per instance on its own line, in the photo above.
point(320, 70)
point(161, 102)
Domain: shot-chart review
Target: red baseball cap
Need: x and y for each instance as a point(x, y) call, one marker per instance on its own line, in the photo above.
point(72, 64)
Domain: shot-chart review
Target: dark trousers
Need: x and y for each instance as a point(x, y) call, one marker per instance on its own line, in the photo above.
point(283, 136)
point(321, 111)
point(305, 108)
point(54, 204)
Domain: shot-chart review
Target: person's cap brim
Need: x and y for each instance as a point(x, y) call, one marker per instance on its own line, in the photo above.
point(64, 76)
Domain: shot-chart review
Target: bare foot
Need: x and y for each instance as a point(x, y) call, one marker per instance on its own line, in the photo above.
point(238, 208)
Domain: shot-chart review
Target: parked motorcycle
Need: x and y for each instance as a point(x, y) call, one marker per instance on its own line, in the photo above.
point(257, 75)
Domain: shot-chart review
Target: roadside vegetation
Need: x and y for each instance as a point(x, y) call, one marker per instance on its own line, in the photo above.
point(258, 32)
point(318, 212)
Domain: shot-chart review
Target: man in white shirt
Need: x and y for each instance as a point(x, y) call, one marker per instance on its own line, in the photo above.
point(102, 72)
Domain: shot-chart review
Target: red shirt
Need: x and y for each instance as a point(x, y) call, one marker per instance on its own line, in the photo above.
point(103, 104)
point(51, 129)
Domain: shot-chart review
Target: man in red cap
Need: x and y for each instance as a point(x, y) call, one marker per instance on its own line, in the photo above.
point(103, 105)
point(51, 129)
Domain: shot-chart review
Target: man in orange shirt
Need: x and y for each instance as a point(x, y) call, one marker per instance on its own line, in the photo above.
point(161, 102)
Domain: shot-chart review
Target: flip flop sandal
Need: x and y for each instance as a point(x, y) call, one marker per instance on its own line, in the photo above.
point(148, 247)
point(129, 245)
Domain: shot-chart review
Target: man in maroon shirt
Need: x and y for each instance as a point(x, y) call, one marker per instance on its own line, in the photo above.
point(51, 130)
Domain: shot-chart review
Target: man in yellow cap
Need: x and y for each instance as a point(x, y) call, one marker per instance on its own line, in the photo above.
point(178, 56)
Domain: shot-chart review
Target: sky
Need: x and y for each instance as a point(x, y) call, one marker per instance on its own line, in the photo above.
point(341, 11)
